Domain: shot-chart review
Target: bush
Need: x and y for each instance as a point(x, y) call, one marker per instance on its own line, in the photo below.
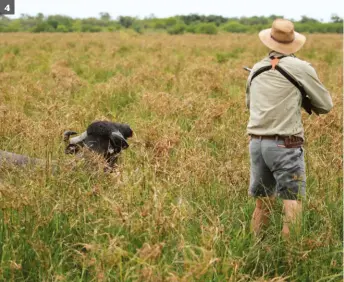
point(319, 27)
point(14, 26)
point(90, 28)
point(170, 22)
point(77, 26)
point(42, 27)
point(61, 28)
point(177, 29)
point(114, 27)
point(191, 28)
point(137, 27)
point(235, 27)
point(206, 28)
point(335, 27)
point(159, 25)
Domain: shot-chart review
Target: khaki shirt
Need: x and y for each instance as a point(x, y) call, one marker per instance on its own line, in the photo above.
point(275, 103)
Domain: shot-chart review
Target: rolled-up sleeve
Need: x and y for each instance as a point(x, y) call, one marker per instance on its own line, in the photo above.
point(318, 94)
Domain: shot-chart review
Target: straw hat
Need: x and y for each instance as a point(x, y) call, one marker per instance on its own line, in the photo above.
point(282, 37)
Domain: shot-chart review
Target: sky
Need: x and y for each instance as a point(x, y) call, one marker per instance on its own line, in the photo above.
point(290, 9)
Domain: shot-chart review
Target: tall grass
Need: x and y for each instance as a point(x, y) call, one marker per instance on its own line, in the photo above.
point(177, 208)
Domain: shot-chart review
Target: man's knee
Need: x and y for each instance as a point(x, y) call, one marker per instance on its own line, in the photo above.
point(265, 203)
point(292, 208)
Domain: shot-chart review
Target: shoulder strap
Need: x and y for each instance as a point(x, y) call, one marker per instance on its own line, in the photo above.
point(274, 61)
point(306, 103)
point(259, 71)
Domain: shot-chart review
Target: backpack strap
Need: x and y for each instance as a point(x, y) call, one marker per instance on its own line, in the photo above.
point(306, 102)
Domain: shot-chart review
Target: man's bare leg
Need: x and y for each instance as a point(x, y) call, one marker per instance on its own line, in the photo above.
point(261, 214)
point(292, 217)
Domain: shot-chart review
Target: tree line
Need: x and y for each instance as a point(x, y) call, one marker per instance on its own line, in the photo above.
point(180, 24)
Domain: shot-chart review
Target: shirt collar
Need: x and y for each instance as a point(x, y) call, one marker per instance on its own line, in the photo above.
point(278, 54)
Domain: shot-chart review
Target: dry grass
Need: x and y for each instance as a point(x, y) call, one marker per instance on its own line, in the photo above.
point(177, 209)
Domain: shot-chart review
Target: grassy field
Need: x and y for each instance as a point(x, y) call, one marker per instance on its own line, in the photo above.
point(177, 209)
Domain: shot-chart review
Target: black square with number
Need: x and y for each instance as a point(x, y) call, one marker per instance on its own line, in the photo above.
point(6, 7)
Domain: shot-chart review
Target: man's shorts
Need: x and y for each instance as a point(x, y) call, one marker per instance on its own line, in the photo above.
point(276, 170)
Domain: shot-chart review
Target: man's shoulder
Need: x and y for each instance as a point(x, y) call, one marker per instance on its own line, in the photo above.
point(262, 63)
point(296, 64)
point(291, 63)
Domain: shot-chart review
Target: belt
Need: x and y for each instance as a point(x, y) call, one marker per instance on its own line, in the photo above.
point(289, 141)
point(271, 137)
point(276, 137)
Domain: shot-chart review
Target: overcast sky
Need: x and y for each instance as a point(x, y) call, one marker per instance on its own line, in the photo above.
point(291, 9)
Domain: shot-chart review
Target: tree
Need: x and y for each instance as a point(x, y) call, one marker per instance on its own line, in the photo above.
point(253, 20)
point(218, 20)
point(336, 19)
point(126, 21)
point(39, 17)
point(192, 18)
point(56, 20)
point(105, 16)
point(274, 17)
point(192, 23)
point(305, 19)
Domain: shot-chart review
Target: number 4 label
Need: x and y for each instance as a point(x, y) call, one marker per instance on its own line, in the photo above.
point(7, 7)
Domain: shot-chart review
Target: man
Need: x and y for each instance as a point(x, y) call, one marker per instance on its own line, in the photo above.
point(277, 89)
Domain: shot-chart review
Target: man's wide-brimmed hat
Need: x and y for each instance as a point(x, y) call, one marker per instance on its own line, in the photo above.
point(282, 37)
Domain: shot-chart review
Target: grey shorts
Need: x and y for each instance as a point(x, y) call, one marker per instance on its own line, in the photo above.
point(276, 170)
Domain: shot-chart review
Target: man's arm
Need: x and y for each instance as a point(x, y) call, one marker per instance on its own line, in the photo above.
point(318, 94)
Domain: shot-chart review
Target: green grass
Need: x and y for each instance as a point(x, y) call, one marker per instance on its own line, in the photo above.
point(177, 207)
